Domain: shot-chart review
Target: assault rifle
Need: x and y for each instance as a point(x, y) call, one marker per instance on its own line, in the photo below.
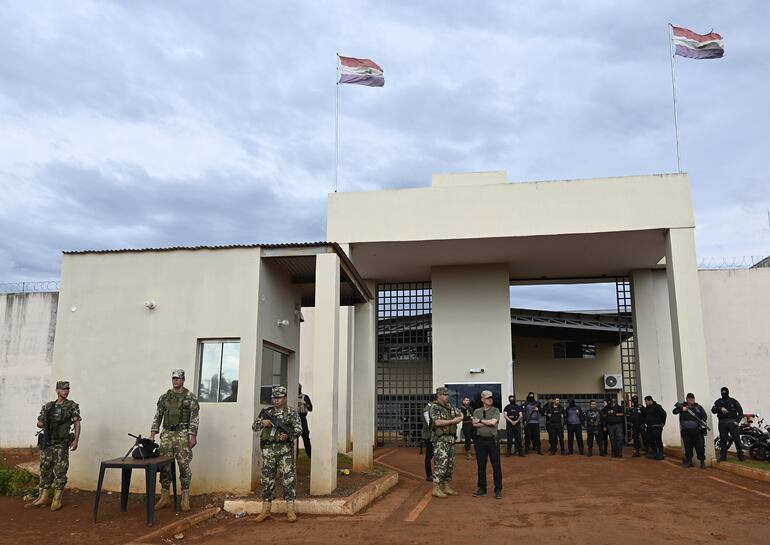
point(44, 435)
point(264, 414)
point(681, 405)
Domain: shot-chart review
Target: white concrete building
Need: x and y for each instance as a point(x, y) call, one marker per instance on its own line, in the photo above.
point(444, 256)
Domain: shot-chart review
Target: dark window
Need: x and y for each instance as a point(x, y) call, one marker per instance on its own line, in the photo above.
point(219, 360)
point(275, 364)
point(573, 350)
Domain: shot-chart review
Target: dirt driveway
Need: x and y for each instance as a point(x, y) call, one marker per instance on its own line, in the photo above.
point(547, 499)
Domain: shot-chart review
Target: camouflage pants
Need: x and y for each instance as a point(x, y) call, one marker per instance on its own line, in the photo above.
point(175, 443)
point(54, 463)
point(278, 457)
point(443, 459)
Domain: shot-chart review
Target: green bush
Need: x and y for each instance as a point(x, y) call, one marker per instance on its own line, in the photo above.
point(16, 482)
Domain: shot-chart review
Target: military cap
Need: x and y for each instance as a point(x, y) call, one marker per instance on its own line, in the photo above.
point(279, 391)
point(177, 373)
point(442, 390)
point(62, 384)
point(486, 393)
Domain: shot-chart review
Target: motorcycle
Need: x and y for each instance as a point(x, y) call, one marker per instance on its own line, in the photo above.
point(750, 434)
point(761, 449)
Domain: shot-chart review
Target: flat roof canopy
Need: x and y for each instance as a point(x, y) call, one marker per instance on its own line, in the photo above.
point(298, 262)
point(531, 259)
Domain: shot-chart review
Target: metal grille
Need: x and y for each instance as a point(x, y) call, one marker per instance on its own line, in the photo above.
point(404, 361)
point(628, 364)
point(404, 321)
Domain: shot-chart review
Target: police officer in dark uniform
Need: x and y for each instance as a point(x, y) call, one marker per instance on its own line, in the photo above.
point(691, 416)
point(513, 416)
point(605, 430)
point(594, 427)
point(532, 416)
point(729, 412)
point(654, 420)
point(635, 417)
point(614, 416)
point(574, 416)
point(555, 417)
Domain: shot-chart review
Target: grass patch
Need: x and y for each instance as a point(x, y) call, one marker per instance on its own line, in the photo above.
point(749, 462)
point(16, 482)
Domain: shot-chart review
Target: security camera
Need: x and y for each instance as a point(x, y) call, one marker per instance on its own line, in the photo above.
point(283, 323)
point(476, 370)
point(150, 304)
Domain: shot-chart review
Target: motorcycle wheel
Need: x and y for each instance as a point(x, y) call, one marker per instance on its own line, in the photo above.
point(760, 452)
point(748, 441)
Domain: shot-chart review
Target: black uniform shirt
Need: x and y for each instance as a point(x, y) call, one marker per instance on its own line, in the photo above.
point(513, 412)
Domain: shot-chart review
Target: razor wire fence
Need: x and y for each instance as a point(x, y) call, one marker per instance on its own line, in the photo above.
point(35, 286)
point(741, 262)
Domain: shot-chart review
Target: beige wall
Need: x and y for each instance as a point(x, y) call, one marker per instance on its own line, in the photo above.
point(537, 371)
point(118, 354)
point(448, 212)
point(27, 325)
point(471, 325)
point(736, 316)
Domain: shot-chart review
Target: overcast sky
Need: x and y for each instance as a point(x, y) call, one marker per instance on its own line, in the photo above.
point(137, 124)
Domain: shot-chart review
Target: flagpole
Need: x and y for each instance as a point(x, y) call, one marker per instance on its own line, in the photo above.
point(673, 92)
point(337, 129)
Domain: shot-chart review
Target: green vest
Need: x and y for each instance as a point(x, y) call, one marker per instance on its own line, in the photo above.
point(447, 413)
point(60, 420)
point(177, 409)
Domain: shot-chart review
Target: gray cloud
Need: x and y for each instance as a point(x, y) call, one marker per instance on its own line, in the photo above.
point(145, 124)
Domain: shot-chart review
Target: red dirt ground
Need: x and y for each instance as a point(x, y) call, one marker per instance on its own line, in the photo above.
point(547, 499)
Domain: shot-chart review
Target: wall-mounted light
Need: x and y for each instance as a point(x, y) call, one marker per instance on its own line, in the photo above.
point(476, 370)
point(283, 323)
point(150, 305)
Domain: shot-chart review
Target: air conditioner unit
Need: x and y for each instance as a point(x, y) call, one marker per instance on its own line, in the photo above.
point(613, 382)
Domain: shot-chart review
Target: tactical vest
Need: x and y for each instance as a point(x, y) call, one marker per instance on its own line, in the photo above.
point(447, 413)
point(270, 435)
point(60, 418)
point(177, 410)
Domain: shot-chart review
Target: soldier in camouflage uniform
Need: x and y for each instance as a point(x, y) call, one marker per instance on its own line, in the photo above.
point(178, 410)
point(57, 418)
point(278, 454)
point(444, 420)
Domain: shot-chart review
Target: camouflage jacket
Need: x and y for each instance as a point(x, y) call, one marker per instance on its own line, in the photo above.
point(287, 416)
point(189, 407)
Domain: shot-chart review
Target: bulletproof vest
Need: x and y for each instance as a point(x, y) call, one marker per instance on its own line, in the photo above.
point(270, 435)
point(447, 413)
point(592, 417)
point(177, 409)
point(60, 417)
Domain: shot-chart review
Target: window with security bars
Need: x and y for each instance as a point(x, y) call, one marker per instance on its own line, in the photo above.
point(404, 321)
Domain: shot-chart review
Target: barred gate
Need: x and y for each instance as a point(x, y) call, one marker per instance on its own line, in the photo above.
point(404, 361)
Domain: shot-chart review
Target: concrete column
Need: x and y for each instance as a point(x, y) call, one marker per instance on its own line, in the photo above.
point(472, 324)
point(323, 466)
point(346, 383)
point(364, 388)
point(690, 364)
point(646, 334)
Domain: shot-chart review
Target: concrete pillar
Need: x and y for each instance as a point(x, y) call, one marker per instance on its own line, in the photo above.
point(690, 363)
point(346, 383)
point(646, 334)
point(323, 466)
point(364, 387)
point(472, 324)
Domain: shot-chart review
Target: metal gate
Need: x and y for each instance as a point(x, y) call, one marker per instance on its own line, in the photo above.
point(404, 361)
